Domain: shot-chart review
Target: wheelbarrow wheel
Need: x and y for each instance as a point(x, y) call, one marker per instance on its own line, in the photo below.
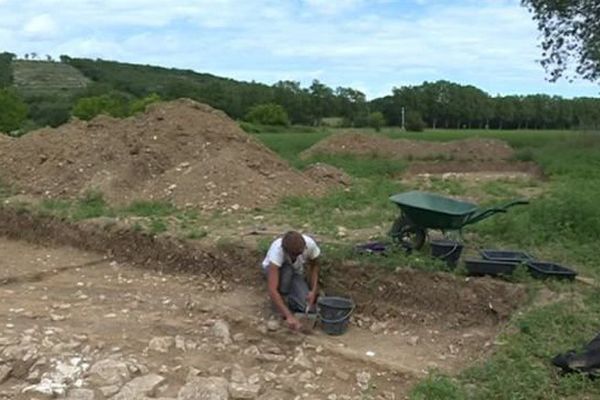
point(408, 235)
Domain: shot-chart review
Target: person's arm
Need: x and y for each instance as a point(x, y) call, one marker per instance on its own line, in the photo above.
point(273, 285)
point(314, 269)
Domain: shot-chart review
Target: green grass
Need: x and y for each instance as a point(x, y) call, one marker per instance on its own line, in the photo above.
point(144, 208)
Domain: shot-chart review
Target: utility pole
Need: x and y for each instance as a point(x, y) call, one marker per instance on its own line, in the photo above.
point(403, 127)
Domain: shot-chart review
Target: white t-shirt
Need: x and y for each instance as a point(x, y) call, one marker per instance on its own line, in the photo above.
point(277, 256)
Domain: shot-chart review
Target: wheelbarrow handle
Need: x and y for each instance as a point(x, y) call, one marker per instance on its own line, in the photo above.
point(488, 212)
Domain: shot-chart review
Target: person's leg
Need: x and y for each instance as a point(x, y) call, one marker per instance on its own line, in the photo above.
point(298, 292)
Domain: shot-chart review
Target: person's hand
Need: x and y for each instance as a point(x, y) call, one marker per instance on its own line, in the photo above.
point(293, 323)
point(311, 297)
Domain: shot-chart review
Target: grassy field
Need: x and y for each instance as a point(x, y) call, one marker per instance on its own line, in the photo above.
point(562, 224)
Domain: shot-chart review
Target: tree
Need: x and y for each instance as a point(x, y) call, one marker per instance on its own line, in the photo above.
point(268, 114)
point(414, 121)
point(570, 36)
point(113, 104)
point(13, 111)
point(376, 120)
point(140, 105)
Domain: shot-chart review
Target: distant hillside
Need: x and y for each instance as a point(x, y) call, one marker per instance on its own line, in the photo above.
point(32, 78)
point(233, 97)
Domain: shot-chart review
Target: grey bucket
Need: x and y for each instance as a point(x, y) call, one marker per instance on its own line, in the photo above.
point(335, 314)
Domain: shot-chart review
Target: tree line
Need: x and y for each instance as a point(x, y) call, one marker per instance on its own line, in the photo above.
point(121, 89)
point(444, 104)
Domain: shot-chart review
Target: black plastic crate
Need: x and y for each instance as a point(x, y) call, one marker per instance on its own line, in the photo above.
point(487, 267)
point(543, 270)
point(510, 256)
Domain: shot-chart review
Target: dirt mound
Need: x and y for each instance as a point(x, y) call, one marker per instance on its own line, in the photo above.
point(367, 145)
point(328, 175)
point(430, 298)
point(182, 151)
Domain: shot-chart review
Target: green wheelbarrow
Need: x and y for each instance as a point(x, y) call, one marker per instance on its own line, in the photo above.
point(421, 211)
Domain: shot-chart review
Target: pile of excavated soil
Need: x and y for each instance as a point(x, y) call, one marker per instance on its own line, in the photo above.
point(328, 175)
point(181, 151)
point(380, 146)
point(430, 298)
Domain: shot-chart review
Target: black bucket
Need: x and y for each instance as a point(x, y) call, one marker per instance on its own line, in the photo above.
point(335, 314)
point(447, 250)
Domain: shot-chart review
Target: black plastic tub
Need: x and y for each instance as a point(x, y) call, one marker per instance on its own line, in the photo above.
point(446, 250)
point(487, 267)
point(544, 270)
point(510, 256)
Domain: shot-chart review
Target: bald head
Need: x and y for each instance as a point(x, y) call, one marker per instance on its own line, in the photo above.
point(293, 244)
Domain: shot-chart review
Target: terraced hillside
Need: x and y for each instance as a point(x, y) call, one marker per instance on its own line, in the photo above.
point(43, 77)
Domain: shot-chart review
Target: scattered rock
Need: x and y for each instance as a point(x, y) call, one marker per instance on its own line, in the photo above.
point(252, 351)
point(363, 379)
point(378, 327)
point(270, 357)
point(221, 330)
point(161, 344)
point(243, 390)
point(143, 385)
point(272, 325)
point(80, 394)
point(413, 340)
point(5, 371)
point(301, 360)
point(109, 390)
point(180, 343)
point(306, 377)
point(213, 388)
point(237, 374)
point(109, 372)
point(344, 376)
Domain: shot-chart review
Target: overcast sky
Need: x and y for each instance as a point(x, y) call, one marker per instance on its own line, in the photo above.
point(371, 45)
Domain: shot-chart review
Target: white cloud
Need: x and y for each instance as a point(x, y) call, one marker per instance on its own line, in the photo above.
point(377, 43)
point(40, 27)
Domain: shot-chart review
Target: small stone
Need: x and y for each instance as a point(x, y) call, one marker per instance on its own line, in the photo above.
point(237, 374)
point(252, 351)
point(302, 360)
point(272, 325)
point(5, 371)
point(342, 375)
point(306, 377)
point(243, 390)
point(109, 372)
point(363, 379)
point(378, 327)
point(110, 390)
point(180, 343)
point(254, 379)
point(220, 329)
point(80, 394)
point(213, 388)
point(161, 344)
point(271, 357)
point(413, 340)
point(238, 337)
point(269, 376)
point(143, 385)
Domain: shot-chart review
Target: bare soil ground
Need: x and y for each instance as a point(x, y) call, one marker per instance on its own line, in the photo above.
point(108, 328)
point(182, 151)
